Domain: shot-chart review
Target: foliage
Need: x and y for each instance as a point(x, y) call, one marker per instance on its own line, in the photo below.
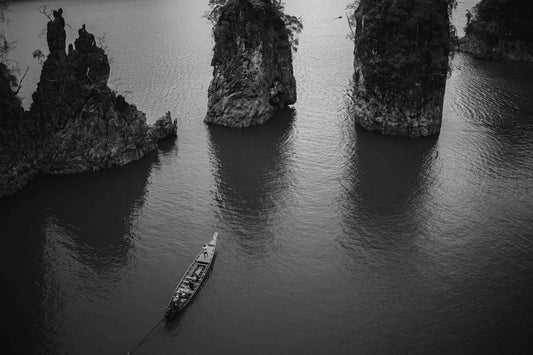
point(7, 68)
point(39, 56)
point(5, 45)
point(293, 24)
point(403, 44)
point(9, 85)
point(8, 78)
point(495, 20)
point(45, 11)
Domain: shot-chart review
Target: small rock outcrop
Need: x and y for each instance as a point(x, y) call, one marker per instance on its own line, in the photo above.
point(401, 65)
point(76, 123)
point(252, 76)
point(55, 32)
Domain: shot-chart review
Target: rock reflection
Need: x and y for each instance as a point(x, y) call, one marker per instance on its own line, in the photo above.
point(385, 181)
point(252, 178)
point(98, 212)
point(78, 231)
point(168, 147)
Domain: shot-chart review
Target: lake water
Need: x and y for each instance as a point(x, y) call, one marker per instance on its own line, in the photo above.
point(332, 240)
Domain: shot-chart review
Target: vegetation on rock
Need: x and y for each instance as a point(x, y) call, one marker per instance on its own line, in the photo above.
point(493, 21)
point(499, 29)
point(292, 24)
point(403, 44)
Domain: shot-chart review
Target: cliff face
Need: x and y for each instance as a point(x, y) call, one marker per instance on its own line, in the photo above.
point(401, 64)
point(402, 115)
point(252, 62)
point(75, 123)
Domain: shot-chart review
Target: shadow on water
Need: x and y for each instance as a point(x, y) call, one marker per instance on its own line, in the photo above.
point(168, 147)
point(385, 180)
point(72, 236)
point(251, 169)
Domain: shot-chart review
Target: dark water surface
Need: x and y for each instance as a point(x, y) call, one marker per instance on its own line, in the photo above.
point(332, 240)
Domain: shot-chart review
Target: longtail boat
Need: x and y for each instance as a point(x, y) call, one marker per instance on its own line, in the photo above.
point(192, 280)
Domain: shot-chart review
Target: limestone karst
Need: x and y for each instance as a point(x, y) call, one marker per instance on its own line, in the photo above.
point(76, 123)
point(401, 65)
point(252, 61)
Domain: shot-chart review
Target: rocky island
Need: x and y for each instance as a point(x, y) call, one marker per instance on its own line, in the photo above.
point(252, 60)
point(499, 29)
point(401, 65)
point(76, 123)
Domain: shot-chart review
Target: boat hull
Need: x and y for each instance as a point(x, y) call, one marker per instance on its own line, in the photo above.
point(192, 280)
point(176, 311)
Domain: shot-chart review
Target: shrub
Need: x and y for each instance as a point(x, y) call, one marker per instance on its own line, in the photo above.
point(404, 44)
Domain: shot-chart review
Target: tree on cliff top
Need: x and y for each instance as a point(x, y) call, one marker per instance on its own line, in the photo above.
point(403, 44)
point(293, 24)
point(496, 20)
point(9, 83)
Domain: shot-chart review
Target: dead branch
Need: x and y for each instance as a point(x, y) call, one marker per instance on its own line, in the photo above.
point(20, 82)
point(43, 9)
